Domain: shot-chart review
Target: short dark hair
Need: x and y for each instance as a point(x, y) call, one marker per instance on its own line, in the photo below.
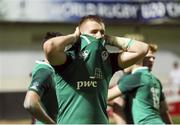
point(92, 18)
point(50, 35)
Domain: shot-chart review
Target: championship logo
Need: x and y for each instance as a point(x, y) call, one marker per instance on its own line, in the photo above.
point(84, 54)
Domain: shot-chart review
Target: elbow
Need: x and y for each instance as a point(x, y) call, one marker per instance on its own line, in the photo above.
point(144, 49)
point(30, 107)
point(48, 47)
point(27, 105)
point(49, 50)
point(30, 103)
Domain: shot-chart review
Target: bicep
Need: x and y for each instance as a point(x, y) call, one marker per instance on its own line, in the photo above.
point(126, 59)
point(134, 53)
point(54, 54)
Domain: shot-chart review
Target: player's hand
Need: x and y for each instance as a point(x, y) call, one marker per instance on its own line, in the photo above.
point(77, 34)
point(110, 103)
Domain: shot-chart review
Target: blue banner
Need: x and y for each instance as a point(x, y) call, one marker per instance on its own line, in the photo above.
point(72, 10)
point(116, 11)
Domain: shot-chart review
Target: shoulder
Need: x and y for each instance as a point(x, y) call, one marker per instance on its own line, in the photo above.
point(43, 66)
point(129, 78)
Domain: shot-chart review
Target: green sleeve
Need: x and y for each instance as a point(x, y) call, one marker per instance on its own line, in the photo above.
point(41, 81)
point(128, 83)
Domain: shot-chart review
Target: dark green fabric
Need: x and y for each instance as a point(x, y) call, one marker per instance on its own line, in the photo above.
point(43, 83)
point(144, 93)
point(82, 86)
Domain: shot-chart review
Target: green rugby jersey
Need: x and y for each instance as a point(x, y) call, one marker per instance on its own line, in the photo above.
point(44, 85)
point(82, 83)
point(144, 93)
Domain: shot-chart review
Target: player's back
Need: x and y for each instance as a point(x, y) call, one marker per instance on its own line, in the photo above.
point(145, 99)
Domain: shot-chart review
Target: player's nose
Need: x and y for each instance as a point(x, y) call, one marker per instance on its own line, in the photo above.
point(99, 35)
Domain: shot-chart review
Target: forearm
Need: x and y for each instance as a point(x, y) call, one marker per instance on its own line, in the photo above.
point(32, 105)
point(120, 42)
point(133, 50)
point(127, 44)
point(59, 43)
point(39, 113)
point(166, 117)
point(164, 112)
point(54, 48)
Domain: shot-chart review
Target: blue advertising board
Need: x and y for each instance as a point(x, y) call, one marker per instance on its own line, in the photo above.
point(73, 10)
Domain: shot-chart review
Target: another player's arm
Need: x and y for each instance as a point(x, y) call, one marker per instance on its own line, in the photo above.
point(125, 84)
point(133, 50)
point(54, 47)
point(114, 92)
point(118, 110)
point(32, 103)
point(164, 112)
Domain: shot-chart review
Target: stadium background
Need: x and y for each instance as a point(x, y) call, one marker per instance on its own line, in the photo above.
point(23, 23)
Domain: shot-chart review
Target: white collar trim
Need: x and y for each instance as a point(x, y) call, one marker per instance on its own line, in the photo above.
point(139, 68)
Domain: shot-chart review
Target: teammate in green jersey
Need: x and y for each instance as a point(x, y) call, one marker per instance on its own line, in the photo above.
point(145, 103)
point(40, 98)
point(149, 62)
point(84, 71)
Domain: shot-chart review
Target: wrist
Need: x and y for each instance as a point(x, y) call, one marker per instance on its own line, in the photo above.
point(120, 42)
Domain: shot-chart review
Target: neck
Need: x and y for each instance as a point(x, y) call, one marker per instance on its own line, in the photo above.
point(136, 66)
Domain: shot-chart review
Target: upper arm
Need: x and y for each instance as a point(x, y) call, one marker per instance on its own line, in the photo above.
point(41, 81)
point(134, 53)
point(54, 52)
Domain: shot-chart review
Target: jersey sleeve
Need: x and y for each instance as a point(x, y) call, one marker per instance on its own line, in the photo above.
point(70, 57)
point(128, 83)
point(41, 81)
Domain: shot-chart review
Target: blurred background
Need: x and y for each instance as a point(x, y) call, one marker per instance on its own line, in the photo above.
point(23, 24)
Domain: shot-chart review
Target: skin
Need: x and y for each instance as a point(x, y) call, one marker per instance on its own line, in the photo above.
point(32, 103)
point(54, 48)
point(93, 28)
point(149, 60)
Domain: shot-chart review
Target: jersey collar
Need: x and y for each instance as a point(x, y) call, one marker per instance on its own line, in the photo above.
point(139, 68)
point(87, 39)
